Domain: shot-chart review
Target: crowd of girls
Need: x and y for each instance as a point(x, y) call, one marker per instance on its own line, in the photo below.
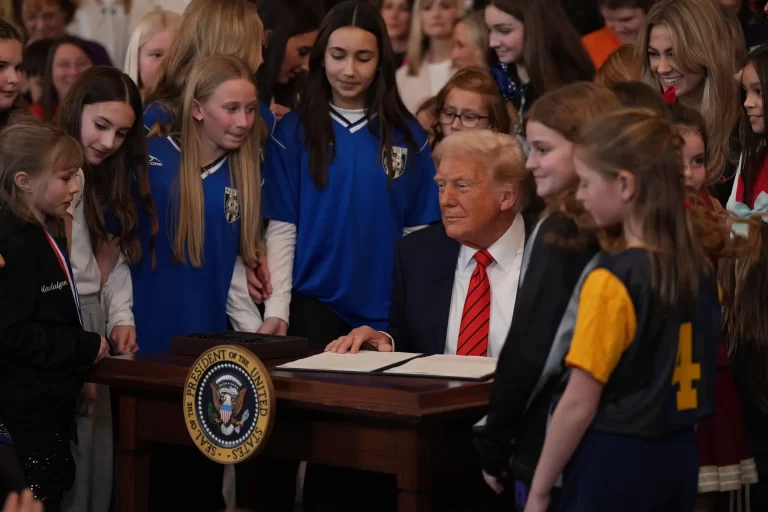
point(262, 152)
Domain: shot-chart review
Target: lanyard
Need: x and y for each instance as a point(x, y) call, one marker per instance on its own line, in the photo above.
point(67, 271)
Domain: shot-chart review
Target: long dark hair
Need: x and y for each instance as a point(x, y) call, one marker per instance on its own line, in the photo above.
point(9, 33)
point(284, 19)
point(754, 144)
point(51, 98)
point(552, 51)
point(386, 111)
point(108, 186)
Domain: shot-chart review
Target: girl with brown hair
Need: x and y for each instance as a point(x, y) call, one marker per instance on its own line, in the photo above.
point(45, 350)
point(620, 66)
point(535, 50)
point(643, 350)
point(471, 101)
point(529, 370)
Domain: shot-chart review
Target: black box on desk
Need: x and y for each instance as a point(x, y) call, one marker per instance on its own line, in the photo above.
point(264, 346)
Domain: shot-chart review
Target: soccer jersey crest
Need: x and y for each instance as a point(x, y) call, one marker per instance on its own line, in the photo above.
point(231, 204)
point(399, 158)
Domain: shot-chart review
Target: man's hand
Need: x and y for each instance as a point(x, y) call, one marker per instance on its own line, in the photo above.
point(86, 400)
point(24, 503)
point(274, 325)
point(259, 281)
point(124, 337)
point(103, 350)
point(362, 337)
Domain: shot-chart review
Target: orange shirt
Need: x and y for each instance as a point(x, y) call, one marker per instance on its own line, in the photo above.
point(600, 44)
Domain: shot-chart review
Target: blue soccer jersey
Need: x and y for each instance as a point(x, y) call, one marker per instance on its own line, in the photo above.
point(346, 232)
point(176, 299)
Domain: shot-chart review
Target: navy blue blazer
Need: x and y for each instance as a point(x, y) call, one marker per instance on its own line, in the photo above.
point(425, 266)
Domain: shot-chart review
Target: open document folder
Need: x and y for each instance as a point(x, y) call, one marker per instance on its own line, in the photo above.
point(398, 363)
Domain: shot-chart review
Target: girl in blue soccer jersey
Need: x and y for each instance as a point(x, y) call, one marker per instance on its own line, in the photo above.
point(205, 181)
point(223, 27)
point(644, 346)
point(350, 173)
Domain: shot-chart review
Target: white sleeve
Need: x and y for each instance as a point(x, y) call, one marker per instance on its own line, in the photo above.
point(117, 295)
point(281, 249)
point(732, 198)
point(241, 310)
point(413, 229)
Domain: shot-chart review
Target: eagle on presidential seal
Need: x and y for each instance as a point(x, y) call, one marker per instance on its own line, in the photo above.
point(227, 407)
point(399, 159)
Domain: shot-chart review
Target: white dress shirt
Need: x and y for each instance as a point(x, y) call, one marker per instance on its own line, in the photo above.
point(503, 273)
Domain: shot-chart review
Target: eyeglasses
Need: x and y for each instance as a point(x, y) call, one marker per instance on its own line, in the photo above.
point(468, 119)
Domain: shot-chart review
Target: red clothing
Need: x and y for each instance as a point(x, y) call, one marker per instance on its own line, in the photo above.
point(600, 44)
point(761, 185)
point(37, 110)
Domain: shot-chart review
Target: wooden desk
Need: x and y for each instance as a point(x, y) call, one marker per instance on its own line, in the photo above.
point(403, 426)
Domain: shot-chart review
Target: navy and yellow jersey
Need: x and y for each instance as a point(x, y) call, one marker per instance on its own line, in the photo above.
point(347, 231)
point(657, 363)
point(154, 113)
point(175, 299)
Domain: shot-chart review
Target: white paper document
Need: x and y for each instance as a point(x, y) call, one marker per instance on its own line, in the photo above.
point(458, 367)
point(364, 361)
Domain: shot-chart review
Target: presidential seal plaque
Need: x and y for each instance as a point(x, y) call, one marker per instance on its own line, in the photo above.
point(229, 404)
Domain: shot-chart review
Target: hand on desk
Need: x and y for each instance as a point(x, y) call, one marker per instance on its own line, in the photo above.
point(362, 337)
point(24, 503)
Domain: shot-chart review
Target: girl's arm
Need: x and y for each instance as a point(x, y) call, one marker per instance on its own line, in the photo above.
point(572, 417)
point(117, 298)
point(281, 247)
point(425, 206)
point(241, 310)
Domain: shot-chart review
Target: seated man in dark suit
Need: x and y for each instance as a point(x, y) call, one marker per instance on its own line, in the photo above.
point(455, 283)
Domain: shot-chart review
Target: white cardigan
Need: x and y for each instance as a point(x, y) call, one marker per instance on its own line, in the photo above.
point(416, 89)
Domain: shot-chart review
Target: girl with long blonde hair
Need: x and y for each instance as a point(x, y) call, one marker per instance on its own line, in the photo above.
point(148, 46)
point(428, 63)
point(688, 51)
point(206, 183)
point(224, 27)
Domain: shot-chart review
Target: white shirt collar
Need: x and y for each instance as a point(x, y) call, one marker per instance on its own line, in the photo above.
point(503, 250)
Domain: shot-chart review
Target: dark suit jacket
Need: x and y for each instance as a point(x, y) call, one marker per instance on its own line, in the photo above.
point(425, 265)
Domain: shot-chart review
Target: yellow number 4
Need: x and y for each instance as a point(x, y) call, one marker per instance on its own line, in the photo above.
point(686, 371)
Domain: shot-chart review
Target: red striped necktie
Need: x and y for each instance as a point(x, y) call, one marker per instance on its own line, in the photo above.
point(476, 317)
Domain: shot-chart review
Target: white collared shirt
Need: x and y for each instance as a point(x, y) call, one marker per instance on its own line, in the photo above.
point(503, 273)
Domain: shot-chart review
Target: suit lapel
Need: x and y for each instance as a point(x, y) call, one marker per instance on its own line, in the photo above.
point(446, 255)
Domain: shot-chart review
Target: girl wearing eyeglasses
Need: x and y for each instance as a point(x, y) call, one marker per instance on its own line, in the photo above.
point(471, 101)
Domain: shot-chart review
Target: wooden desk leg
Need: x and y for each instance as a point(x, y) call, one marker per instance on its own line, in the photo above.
point(414, 472)
point(133, 470)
